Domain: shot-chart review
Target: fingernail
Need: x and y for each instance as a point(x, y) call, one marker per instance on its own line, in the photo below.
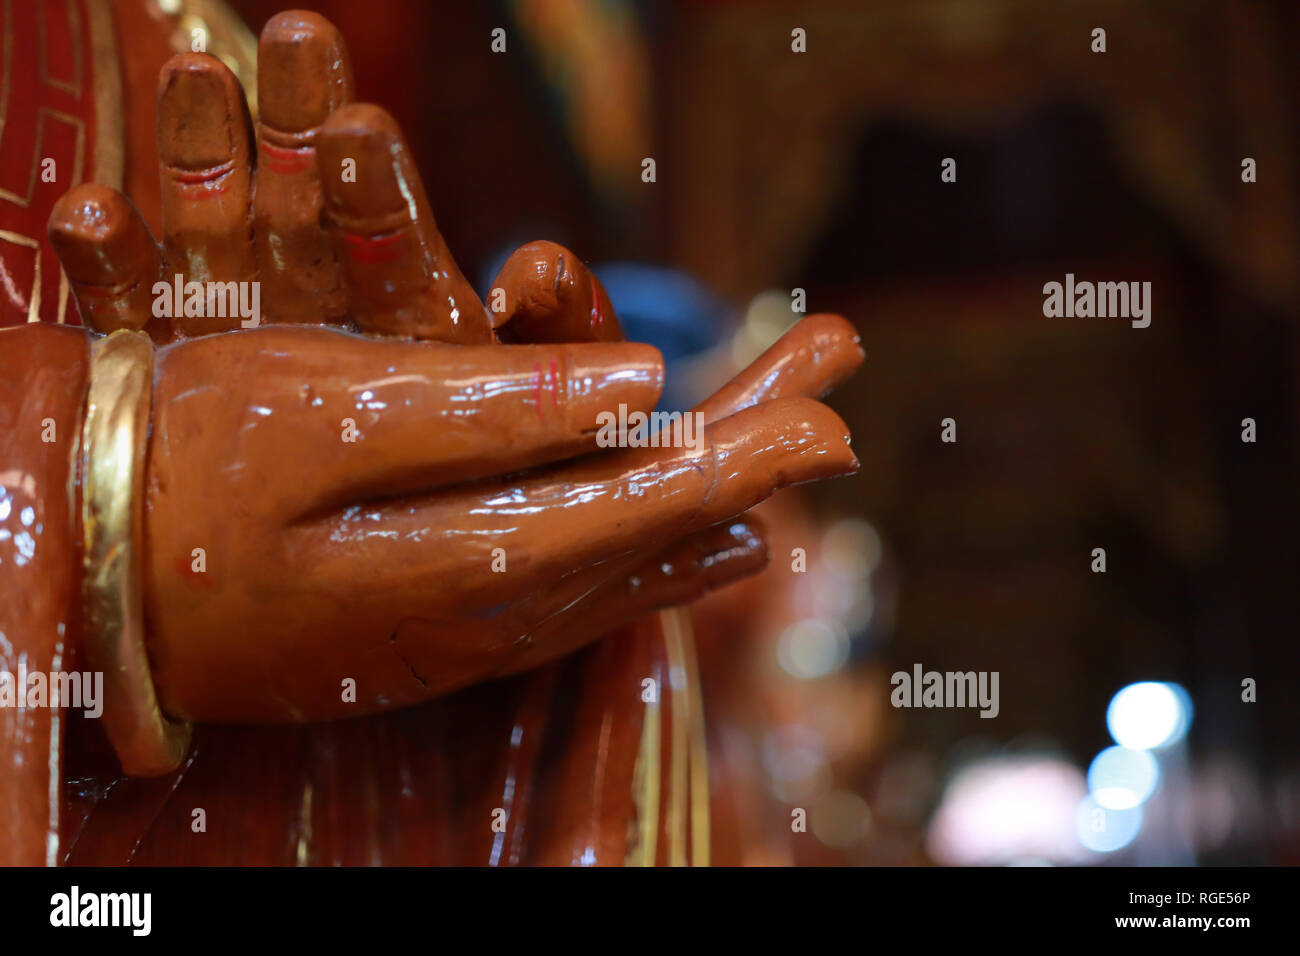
point(200, 113)
point(303, 71)
point(366, 140)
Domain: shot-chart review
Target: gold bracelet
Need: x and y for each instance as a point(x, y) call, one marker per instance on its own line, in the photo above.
point(112, 521)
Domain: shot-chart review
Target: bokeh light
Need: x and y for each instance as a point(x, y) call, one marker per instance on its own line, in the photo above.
point(1149, 714)
point(813, 648)
point(1121, 779)
point(841, 818)
point(1008, 809)
point(1104, 829)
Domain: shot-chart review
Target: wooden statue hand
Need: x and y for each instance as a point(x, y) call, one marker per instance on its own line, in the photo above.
point(339, 523)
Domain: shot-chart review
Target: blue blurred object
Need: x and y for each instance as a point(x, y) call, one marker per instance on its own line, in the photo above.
point(666, 308)
point(669, 310)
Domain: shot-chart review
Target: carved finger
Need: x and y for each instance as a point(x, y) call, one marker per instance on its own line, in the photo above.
point(545, 293)
point(573, 516)
point(110, 258)
point(687, 570)
point(369, 418)
point(303, 75)
point(400, 275)
point(811, 359)
point(203, 146)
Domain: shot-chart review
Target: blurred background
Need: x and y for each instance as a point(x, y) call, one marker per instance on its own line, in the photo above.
point(778, 170)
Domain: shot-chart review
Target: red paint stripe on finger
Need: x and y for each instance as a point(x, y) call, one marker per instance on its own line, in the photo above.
point(288, 161)
point(537, 388)
point(198, 185)
point(374, 248)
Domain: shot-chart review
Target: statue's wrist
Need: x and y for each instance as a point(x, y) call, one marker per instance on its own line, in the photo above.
point(114, 434)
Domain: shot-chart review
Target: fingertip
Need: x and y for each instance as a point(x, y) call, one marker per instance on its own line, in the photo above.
point(834, 346)
point(401, 277)
point(87, 211)
point(304, 72)
point(704, 561)
point(98, 235)
point(360, 121)
point(798, 440)
point(751, 532)
point(550, 295)
point(739, 543)
point(822, 421)
point(643, 354)
point(109, 257)
point(832, 327)
point(600, 378)
point(357, 150)
point(201, 116)
point(643, 364)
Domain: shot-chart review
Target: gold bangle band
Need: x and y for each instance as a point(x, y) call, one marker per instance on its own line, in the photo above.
point(112, 521)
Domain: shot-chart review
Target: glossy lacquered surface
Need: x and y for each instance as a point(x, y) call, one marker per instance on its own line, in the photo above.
point(341, 524)
point(365, 529)
point(563, 766)
point(42, 386)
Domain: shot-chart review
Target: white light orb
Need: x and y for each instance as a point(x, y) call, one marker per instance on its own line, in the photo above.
point(1121, 779)
point(1148, 715)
